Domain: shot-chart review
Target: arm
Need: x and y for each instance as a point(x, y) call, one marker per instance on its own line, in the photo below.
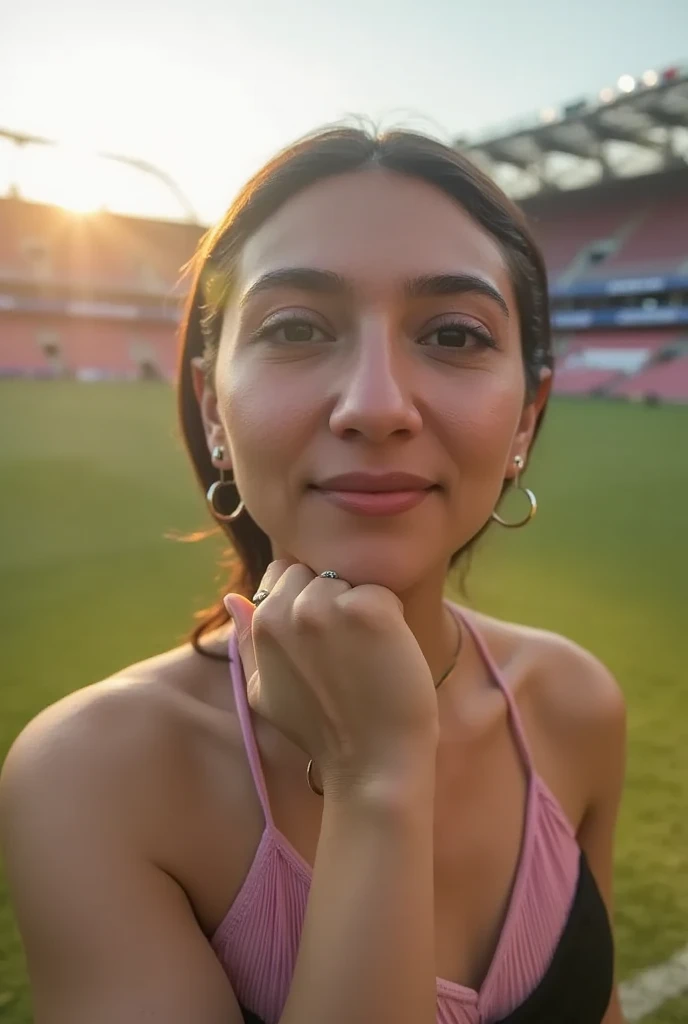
point(108, 935)
point(367, 950)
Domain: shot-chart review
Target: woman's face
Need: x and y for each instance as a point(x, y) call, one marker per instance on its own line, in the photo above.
point(372, 329)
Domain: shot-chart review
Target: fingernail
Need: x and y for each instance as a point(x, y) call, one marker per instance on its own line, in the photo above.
point(236, 604)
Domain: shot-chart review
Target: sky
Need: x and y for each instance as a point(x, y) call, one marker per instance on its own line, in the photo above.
point(210, 89)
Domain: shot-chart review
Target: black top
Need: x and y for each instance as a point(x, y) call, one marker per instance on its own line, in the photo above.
point(577, 985)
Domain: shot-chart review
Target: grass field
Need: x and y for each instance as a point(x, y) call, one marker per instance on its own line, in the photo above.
point(92, 478)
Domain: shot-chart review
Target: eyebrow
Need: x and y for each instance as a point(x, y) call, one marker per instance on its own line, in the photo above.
point(305, 279)
point(429, 286)
point(326, 282)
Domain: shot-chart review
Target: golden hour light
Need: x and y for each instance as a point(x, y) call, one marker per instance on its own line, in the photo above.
point(65, 176)
point(84, 182)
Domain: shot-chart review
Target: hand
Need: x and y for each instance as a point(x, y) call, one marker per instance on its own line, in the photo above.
point(336, 669)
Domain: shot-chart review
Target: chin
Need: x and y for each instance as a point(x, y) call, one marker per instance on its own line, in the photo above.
point(390, 566)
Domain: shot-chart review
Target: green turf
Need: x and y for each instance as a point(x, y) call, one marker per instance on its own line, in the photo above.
point(92, 477)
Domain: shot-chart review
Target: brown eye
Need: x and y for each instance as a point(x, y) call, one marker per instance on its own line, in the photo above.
point(291, 330)
point(298, 330)
point(452, 337)
point(455, 337)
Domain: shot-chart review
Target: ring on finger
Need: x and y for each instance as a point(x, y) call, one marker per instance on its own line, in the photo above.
point(329, 574)
point(260, 596)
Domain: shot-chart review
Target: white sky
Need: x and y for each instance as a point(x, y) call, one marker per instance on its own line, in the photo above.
point(209, 89)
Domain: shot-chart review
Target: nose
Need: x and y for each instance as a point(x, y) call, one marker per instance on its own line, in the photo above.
point(375, 396)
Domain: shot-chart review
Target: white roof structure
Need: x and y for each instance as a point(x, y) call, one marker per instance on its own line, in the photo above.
point(639, 126)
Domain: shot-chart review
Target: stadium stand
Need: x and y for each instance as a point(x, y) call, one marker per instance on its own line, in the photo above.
point(619, 364)
point(18, 356)
point(91, 297)
point(97, 296)
point(657, 240)
point(86, 348)
point(583, 381)
point(565, 230)
point(635, 226)
point(108, 252)
point(667, 381)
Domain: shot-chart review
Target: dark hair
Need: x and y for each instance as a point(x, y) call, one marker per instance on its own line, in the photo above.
point(329, 152)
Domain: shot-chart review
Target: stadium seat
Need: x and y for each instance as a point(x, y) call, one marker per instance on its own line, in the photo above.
point(658, 243)
point(106, 252)
point(667, 381)
point(582, 381)
point(51, 255)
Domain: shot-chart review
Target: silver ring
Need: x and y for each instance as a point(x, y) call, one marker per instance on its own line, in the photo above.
point(329, 574)
point(259, 596)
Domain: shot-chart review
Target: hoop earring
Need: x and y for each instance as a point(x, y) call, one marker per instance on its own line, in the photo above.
point(529, 495)
point(217, 485)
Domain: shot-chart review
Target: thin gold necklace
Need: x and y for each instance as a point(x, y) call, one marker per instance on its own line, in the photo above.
point(457, 652)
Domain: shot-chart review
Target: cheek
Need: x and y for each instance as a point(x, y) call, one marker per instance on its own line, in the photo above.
point(482, 424)
point(268, 425)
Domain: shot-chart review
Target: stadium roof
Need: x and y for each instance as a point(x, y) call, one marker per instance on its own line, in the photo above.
point(640, 126)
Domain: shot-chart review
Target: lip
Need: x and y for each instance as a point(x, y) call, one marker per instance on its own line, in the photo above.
point(375, 503)
point(375, 483)
point(376, 494)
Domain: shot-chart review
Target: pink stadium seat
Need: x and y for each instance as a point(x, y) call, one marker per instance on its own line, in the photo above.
point(612, 362)
point(653, 341)
point(102, 347)
point(104, 251)
point(84, 346)
point(647, 215)
point(19, 351)
point(564, 233)
point(136, 262)
point(659, 242)
point(668, 381)
point(562, 238)
point(166, 356)
point(582, 381)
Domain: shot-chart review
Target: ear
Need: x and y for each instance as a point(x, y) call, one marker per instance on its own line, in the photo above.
point(207, 401)
point(529, 417)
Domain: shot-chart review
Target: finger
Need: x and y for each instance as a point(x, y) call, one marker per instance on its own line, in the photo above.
point(284, 586)
point(241, 611)
point(272, 574)
point(322, 590)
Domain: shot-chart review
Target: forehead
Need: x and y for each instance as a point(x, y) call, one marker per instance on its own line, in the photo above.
point(374, 227)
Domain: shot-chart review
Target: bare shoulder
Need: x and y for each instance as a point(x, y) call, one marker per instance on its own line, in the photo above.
point(572, 707)
point(91, 797)
point(121, 735)
point(576, 713)
point(568, 685)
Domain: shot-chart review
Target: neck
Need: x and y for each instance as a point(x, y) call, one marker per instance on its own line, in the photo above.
point(431, 623)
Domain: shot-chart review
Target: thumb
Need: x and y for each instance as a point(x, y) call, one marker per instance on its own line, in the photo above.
point(241, 611)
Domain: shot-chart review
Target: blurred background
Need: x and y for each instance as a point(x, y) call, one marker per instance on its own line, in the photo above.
point(125, 130)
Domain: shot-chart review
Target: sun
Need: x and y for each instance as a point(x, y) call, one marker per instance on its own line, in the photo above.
point(75, 201)
point(76, 182)
point(79, 181)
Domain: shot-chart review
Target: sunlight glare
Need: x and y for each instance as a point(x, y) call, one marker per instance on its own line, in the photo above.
point(75, 181)
point(82, 182)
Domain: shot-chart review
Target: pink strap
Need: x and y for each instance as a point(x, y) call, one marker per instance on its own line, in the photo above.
point(243, 710)
point(241, 701)
point(496, 674)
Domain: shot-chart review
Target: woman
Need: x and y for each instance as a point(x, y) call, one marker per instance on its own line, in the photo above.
point(414, 822)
